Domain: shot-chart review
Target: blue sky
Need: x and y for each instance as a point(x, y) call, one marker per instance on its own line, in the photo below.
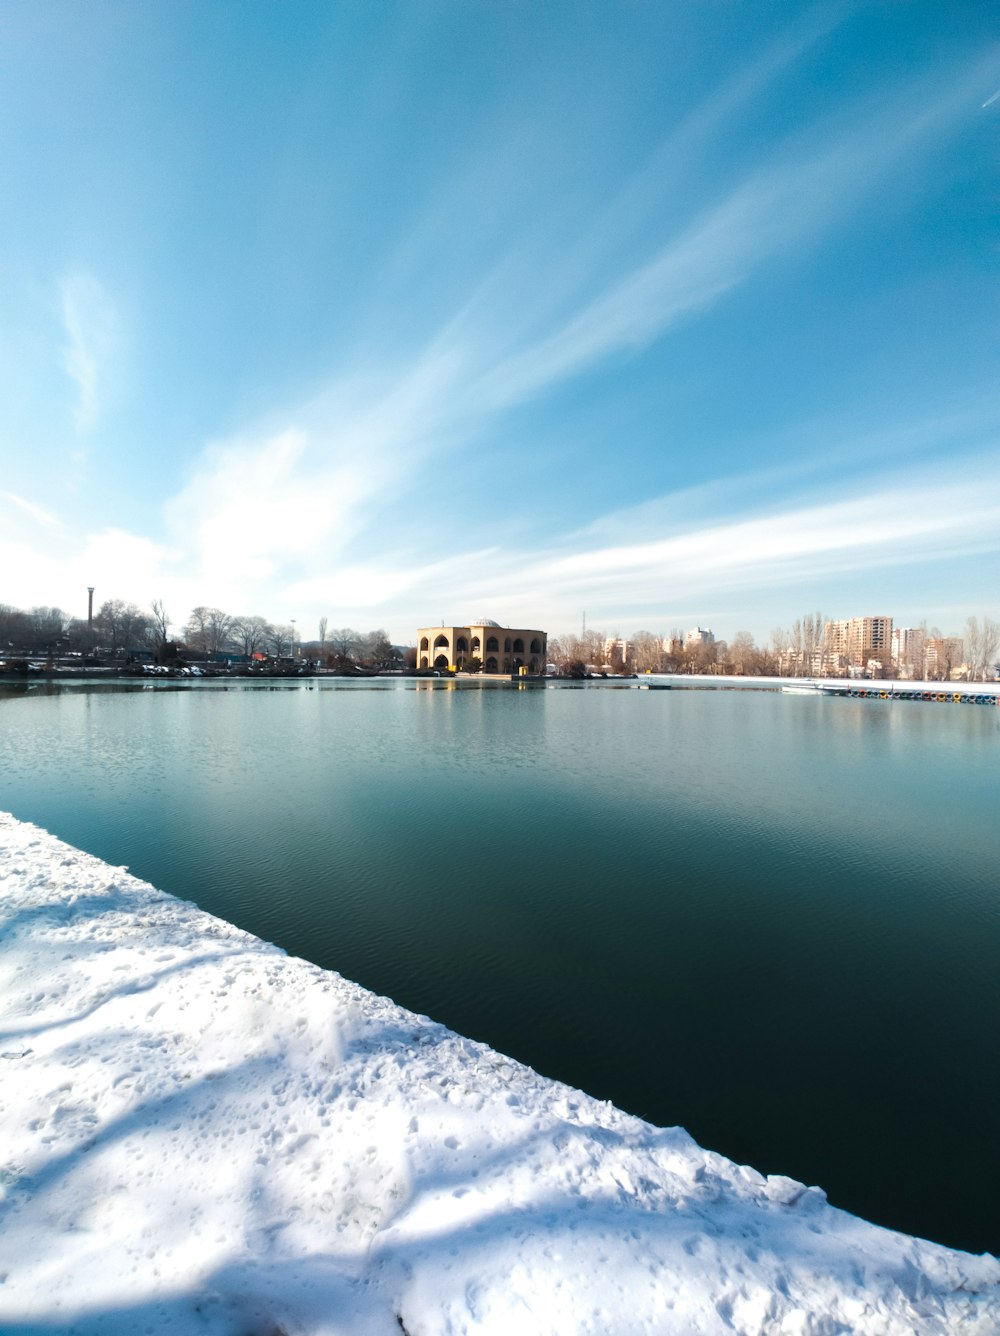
point(399, 313)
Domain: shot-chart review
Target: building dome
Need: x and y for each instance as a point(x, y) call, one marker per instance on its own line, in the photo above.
point(483, 621)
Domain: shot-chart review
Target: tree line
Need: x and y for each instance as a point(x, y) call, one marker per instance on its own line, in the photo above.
point(120, 630)
point(800, 650)
point(648, 651)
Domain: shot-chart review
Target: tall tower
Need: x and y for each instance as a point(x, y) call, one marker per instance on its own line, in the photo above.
point(90, 607)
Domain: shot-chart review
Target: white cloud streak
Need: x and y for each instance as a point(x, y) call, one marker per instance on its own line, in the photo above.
point(783, 205)
point(91, 326)
point(801, 543)
point(293, 495)
point(36, 512)
point(287, 511)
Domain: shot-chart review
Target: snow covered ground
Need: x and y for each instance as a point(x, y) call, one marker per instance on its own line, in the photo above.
point(199, 1134)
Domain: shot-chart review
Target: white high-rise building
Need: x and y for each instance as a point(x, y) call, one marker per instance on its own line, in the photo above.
point(699, 636)
point(908, 650)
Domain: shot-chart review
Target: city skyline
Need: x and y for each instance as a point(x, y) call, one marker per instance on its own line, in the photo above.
point(402, 314)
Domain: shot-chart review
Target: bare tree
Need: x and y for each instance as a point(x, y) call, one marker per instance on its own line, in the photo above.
point(208, 629)
point(48, 623)
point(779, 645)
point(989, 646)
point(563, 650)
point(278, 640)
point(375, 650)
point(981, 645)
point(13, 628)
point(108, 622)
point(813, 628)
point(973, 646)
point(647, 652)
point(159, 624)
point(592, 647)
point(38, 629)
point(251, 634)
point(703, 657)
point(219, 627)
point(121, 625)
point(195, 631)
point(323, 622)
point(344, 642)
point(135, 627)
point(742, 653)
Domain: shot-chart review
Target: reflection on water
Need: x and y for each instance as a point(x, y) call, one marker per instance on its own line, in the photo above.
point(772, 919)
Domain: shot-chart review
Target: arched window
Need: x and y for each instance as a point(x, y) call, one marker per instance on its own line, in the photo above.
point(441, 661)
point(423, 659)
point(506, 645)
point(424, 644)
point(491, 665)
point(533, 665)
point(494, 645)
point(536, 646)
point(476, 644)
point(461, 643)
point(519, 646)
point(441, 642)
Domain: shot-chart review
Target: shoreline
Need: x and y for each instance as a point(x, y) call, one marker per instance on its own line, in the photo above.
point(203, 1131)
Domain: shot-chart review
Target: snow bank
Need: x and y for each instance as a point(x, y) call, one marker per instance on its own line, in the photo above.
point(200, 1134)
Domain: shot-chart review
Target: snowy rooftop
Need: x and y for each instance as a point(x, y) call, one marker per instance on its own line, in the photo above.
point(200, 1134)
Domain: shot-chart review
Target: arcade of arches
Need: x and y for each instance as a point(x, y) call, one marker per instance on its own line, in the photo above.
point(482, 646)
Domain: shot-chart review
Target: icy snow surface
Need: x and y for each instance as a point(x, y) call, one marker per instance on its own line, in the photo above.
point(199, 1134)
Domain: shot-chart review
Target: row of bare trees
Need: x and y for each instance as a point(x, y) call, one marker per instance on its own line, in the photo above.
point(643, 651)
point(120, 628)
point(117, 626)
point(213, 632)
point(982, 644)
point(648, 651)
point(795, 651)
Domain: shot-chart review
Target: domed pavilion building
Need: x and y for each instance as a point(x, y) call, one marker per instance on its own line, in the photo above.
point(483, 646)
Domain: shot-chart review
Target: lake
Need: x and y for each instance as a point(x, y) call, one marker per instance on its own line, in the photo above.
point(774, 920)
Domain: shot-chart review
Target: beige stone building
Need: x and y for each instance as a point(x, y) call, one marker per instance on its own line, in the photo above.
point(509, 650)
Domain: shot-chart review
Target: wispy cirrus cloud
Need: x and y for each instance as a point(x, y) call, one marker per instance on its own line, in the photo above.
point(29, 508)
point(280, 511)
point(290, 495)
point(91, 326)
point(716, 560)
point(783, 204)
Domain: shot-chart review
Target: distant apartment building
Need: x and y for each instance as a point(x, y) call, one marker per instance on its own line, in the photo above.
point(908, 650)
point(615, 648)
point(859, 640)
point(811, 663)
point(835, 638)
point(943, 657)
point(699, 636)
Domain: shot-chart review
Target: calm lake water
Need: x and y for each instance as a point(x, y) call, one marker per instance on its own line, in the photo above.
point(774, 920)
